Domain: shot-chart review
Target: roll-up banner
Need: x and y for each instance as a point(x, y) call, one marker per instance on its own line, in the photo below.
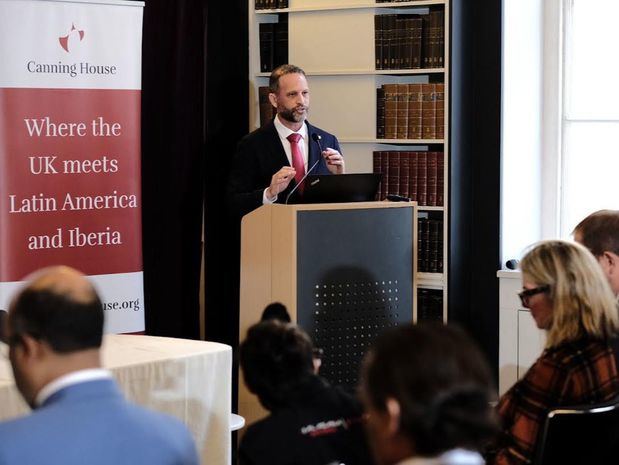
point(70, 193)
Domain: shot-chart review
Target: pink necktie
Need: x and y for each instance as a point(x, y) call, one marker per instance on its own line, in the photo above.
point(297, 158)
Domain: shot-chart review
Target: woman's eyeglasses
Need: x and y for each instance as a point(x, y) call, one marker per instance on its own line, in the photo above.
point(526, 294)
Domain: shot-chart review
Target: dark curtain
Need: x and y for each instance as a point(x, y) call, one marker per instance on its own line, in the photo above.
point(173, 135)
point(475, 151)
point(227, 121)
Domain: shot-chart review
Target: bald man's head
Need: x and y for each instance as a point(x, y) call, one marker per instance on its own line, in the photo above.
point(58, 306)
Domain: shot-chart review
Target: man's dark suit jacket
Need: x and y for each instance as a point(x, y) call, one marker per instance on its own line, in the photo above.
point(259, 156)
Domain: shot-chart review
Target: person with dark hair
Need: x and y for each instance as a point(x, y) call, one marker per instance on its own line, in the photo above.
point(599, 232)
point(54, 333)
point(273, 159)
point(310, 422)
point(275, 311)
point(570, 299)
point(426, 391)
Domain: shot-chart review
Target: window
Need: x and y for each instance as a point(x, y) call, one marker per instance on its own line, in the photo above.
point(588, 159)
point(560, 117)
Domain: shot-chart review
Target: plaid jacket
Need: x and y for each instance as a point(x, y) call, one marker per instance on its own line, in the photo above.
point(573, 373)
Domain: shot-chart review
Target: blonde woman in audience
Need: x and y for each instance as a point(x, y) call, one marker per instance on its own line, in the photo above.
point(570, 299)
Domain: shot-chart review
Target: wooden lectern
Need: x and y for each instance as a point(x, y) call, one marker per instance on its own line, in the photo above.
point(345, 272)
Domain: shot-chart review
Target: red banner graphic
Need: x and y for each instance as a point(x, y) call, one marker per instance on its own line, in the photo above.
point(69, 180)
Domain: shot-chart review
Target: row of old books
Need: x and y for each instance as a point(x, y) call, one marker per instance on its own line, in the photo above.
point(429, 305)
point(410, 111)
point(267, 111)
point(273, 45)
point(430, 245)
point(416, 175)
point(270, 4)
point(410, 41)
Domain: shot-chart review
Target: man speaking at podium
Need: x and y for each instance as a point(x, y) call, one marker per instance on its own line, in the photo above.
point(272, 161)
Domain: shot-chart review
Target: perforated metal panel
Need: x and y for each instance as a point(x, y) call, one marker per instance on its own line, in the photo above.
point(351, 288)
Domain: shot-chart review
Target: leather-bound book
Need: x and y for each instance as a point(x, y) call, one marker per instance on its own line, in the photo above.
point(378, 41)
point(402, 111)
point(380, 113)
point(376, 168)
point(423, 252)
point(267, 111)
point(384, 162)
point(426, 42)
point(393, 42)
point(440, 110)
point(440, 39)
point(433, 245)
point(428, 111)
point(266, 32)
point(416, 28)
point(404, 173)
point(407, 50)
point(422, 178)
point(432, 179)
point(414, 111)
point(391, 111)
point(394, 173)
point(280, 56)
point(439, 247)
point(388, 39)
point(440, 179)
point(412, 176)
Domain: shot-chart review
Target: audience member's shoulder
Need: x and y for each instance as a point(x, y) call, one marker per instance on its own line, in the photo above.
point(574, 352)
point(165, 431)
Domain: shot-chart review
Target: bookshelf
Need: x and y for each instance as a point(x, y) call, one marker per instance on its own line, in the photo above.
point(334, 42)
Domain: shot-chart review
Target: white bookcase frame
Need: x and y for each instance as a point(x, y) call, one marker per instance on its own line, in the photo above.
point(333, 41)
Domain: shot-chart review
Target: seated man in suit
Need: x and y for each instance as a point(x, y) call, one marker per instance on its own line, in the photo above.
point(599, 232)
point(55, 328)
point(273, 159)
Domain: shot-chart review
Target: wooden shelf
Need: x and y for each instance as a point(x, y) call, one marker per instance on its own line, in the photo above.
point(361, 6)
point(354, 140)
point(430, 209)
point(369, 72)
point(431, 280)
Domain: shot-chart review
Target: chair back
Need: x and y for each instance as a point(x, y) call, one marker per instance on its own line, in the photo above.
point(586, 435)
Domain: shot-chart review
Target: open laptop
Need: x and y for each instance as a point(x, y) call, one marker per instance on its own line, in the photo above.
point(326, 188)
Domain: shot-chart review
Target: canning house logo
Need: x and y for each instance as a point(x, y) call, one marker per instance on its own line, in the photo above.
point(74, 34)
point(72, 42)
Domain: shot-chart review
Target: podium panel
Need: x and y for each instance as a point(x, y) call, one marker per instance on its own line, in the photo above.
point(344, 271)
point(354, 279)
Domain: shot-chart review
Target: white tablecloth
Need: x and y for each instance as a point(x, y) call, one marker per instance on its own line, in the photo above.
point(190, 380)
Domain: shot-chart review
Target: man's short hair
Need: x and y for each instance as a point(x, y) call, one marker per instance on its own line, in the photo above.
point(66, 324)
point(276, 358)
point(599, 232)
point(279, 72)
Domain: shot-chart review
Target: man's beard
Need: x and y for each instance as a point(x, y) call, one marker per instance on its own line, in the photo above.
point(291, 115)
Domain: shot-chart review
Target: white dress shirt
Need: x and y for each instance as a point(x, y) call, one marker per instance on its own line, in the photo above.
point(76, 377)
point(283, 132)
